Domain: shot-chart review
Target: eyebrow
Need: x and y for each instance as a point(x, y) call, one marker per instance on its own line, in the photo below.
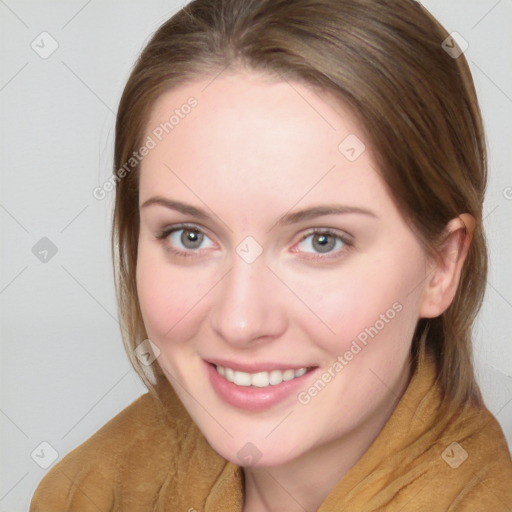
point(288, 218)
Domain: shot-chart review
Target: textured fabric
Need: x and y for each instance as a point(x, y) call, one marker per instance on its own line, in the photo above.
point(149, 458)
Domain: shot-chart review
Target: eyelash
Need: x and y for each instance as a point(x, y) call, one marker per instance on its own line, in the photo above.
point(348, 244)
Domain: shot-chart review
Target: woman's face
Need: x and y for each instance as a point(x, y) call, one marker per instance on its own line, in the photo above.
point(252, 167)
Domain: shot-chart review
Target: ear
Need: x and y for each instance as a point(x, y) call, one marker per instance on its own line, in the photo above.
point(444, 273)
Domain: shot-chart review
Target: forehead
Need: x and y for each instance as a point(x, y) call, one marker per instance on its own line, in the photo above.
point(246, 137)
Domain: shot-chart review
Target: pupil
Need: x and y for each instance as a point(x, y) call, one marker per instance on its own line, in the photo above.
point(324, 244)
point(191, 239)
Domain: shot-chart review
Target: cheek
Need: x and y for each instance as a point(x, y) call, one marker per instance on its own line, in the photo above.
point(167, 293)
point(370, 301)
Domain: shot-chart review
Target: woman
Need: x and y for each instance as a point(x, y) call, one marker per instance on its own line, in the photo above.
point(300, 257)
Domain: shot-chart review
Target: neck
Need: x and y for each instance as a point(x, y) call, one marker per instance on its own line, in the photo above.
point(303, 483)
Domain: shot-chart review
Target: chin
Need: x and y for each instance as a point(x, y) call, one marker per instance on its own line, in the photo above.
point(247, 453)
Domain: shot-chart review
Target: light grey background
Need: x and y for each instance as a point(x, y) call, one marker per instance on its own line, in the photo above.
point(64, 372)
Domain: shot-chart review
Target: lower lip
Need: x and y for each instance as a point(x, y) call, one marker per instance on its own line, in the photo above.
point(252, 398)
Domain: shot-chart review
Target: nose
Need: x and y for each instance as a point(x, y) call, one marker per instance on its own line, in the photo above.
point(247, 309)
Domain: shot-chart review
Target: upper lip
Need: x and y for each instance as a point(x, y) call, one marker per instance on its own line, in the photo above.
point(255, 367)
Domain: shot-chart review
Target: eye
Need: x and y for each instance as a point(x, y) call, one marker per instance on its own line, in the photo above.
point(184, 240)
point(324, 241)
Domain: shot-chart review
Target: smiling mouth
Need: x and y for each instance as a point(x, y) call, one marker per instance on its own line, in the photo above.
point(260, 379)
point(264, 386)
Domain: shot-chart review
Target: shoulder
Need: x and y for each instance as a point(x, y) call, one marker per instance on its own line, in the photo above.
point(475, 452)
point(459, 450)
point(87, 478)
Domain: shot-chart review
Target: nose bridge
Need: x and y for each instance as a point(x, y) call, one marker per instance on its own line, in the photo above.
point(245, 308)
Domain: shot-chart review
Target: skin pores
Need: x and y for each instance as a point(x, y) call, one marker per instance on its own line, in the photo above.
point(249, 152)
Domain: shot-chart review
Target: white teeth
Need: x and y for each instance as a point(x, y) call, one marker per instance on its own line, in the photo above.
point(260, 379)
point(230, 374)
point(275, 377)
point(288, 374)
point(242, 379)
point(300, 372)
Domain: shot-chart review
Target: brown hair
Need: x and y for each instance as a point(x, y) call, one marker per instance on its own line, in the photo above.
point(415, 102)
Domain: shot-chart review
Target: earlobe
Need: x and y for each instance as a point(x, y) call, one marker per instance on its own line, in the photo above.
point(444, 273)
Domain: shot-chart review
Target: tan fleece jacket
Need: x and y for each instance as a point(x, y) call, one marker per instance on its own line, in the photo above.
point(149, 459)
